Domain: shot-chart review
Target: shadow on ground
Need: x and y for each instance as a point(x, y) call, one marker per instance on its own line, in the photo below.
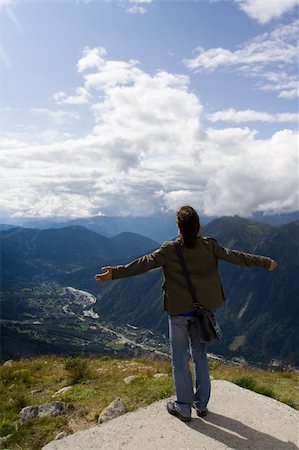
point(236, 435)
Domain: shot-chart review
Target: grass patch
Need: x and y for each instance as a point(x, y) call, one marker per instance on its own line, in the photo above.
point(282, 386)
point(79, 393)
point(6, 427)
point(250, 383)
point(26, 437)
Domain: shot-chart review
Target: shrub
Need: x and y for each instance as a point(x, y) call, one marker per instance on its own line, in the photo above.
point(78, 368)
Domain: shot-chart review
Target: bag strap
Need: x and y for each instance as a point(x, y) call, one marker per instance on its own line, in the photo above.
point(179, 252)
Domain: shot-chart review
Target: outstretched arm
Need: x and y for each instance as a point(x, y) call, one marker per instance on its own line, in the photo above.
point(137, 267)
point(243, 259)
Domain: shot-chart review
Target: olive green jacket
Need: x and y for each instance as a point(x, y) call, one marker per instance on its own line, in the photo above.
point(202, 264)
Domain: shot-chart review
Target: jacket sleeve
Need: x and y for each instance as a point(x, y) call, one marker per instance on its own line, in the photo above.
point(141, 265)
point(240, 258)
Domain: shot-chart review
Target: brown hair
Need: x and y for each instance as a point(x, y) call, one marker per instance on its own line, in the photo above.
point(189, 225)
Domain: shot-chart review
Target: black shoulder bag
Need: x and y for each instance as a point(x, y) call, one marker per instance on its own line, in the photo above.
point(208, 328)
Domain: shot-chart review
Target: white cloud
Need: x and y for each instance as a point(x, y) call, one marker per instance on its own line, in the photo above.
point(59, 96)
point(286, 84)
point(289, 94)
point(91, 59)
point(265, 10)
point(254, 175)
point(279, 46)
point(267, 56)
point(60, 117)
point(140, 2)
point(129, 6)
point(136, 9)
point(81, 97)
point(135, 6)
point(147, 152)
point(250, 115)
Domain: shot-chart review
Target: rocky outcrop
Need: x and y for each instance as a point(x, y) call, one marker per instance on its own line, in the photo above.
point(115, 409)
point(47, 409)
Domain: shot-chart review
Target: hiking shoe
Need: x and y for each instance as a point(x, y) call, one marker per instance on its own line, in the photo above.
point(174, 412)
point(201, 412)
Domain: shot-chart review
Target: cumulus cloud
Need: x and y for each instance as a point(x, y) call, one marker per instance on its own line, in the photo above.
point(147, 152)
point(92, 58)
point(251, 170)
point(272, 57)
point(250, 115)
point(265, 10)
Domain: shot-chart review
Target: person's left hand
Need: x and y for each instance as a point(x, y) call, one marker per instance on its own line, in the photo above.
point(106, 276)
point(273, 265)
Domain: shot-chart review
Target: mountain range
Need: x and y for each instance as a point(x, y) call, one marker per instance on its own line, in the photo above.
point(28, 253)
point(260, 316)
point(158, 227)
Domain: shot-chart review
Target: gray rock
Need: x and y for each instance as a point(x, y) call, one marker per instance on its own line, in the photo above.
point(62, 391)
point(8, 363)
point(129, 379)
point(48, 409)
point(60, 435)
point(52, 409)
point(27, 413)
point(5, 438)
point(115, 409)
point(160, 375)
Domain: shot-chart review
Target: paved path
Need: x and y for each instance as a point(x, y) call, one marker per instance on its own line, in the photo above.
point(238, 419)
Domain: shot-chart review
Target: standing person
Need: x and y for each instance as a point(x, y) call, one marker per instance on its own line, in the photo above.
point(201, 255)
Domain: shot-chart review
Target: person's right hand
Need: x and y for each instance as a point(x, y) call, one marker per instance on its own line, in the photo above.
point(272, 265)
point(106, 276)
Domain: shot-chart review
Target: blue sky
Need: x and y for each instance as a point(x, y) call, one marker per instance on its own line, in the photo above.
point(136, 107)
